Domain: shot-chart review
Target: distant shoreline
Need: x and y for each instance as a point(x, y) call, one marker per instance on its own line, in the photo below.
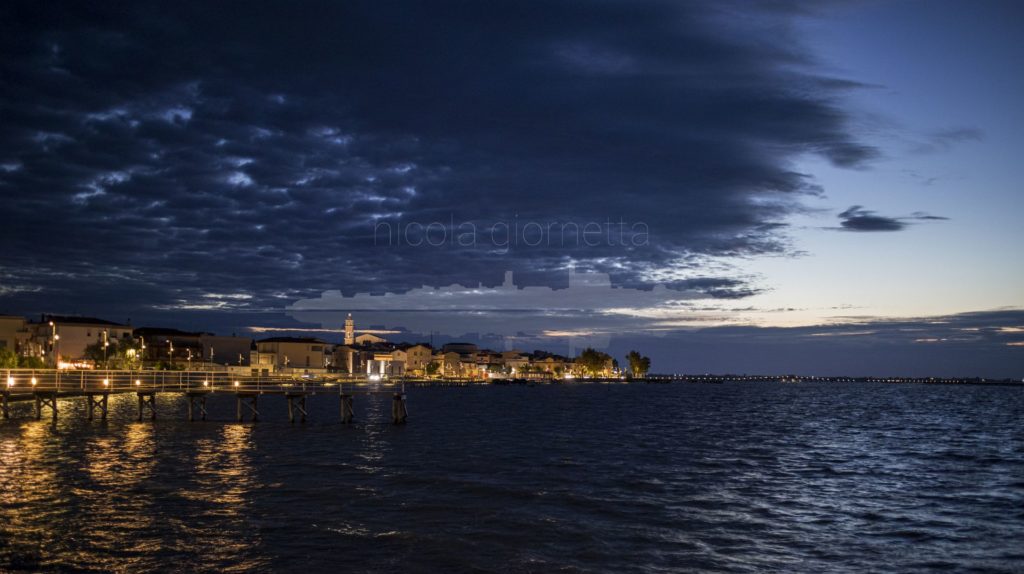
point(719, 379)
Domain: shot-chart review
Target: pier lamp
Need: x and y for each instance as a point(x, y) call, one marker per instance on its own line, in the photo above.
point(236, 383)
point(10, 381)
point(106, 382)
point(34, 381)
point(137, 382)
point(206, 383)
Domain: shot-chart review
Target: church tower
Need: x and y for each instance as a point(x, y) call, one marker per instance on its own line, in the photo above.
point(350, 330)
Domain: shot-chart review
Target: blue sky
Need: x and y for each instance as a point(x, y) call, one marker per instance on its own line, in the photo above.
point(933, 69)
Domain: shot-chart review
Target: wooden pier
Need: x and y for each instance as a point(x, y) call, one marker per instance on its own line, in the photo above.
point(46, 387)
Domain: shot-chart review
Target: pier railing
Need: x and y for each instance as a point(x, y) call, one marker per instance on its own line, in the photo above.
point(18, 381)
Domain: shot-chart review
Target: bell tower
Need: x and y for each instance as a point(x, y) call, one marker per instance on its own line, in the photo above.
point(350, 330)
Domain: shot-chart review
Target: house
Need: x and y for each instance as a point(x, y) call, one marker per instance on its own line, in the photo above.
point(14, 334)
point(166, 345)
point(515, 362)
point(417, 357)
point(68, 336)
point(259, 363)
point(449, 364)
point(347, 359)
point(386, 363)
point(225, 350)
point(550, 365)
point(295, 354)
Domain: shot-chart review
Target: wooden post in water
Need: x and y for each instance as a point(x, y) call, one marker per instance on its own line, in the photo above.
point(97, 401)
point(194, 400)
point(251, 401)
point(46, 400)
point(147, 399)
point(296, 402)
point(347, 410)
point(399, 414)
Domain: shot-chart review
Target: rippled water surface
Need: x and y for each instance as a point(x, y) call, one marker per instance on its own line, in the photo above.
point(613, 478)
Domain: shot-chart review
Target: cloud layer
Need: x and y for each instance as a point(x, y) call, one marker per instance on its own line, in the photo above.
point(856, 218)
point(229, 156)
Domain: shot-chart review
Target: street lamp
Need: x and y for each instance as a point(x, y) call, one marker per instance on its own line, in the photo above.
point(54, 337)
point(106, 343)
point(170, 352)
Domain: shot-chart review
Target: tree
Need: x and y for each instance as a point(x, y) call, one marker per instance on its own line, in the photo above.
point(120, 354)
point(639, 365)
point(31, 363)
point(94, 353)
point(432, 369)
point(8, 359)
point(593, 362)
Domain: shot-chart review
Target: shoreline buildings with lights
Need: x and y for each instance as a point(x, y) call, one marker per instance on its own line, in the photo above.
point(63, 342)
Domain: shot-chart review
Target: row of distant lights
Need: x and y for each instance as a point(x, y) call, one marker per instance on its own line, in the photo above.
point(106, 382)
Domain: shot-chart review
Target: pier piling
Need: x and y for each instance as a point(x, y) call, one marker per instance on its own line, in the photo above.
point(399, 413)
point(196, 400)
point(347, 409)
point(296, 402)
point(251, 402)
point(97, 401)
point(44, 400)
point(147, 400)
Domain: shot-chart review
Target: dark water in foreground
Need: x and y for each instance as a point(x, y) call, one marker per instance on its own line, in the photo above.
point(621, 478)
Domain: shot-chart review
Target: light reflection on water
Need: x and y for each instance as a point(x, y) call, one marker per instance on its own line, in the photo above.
point(625, 478)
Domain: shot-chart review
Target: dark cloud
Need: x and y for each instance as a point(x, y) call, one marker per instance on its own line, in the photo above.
point(157, 155)
point(856, 218)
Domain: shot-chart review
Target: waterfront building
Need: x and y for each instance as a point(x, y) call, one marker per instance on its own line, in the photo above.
point(226, 350)
point(449, 364)
point(170, 346)
point(515, 362)
point(295, 354)
point(65, 338)
point(346, 359)
point(417, 357)
point(14, 334)
point(369, 339)
point(261, 363)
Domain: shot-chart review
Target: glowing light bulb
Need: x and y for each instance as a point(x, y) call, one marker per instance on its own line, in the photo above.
point(34, 381)
point(106, 382)
point(137, 382)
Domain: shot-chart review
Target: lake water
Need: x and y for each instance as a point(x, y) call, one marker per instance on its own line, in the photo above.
point(585, 478)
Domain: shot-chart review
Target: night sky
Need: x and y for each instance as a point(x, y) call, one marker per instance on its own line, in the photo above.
point(823, 188)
